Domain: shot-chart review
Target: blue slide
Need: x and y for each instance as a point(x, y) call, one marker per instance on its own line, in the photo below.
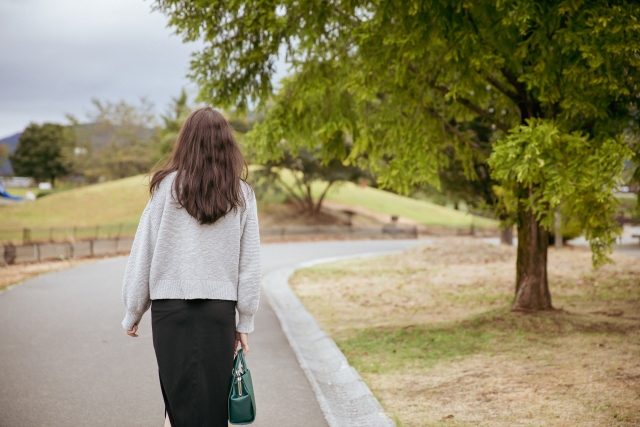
point(5, 195)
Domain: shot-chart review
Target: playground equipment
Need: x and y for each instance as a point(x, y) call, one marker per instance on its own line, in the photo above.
point(5, 195)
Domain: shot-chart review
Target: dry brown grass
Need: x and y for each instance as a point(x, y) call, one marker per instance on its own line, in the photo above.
point(553, 386)
point(431, 333)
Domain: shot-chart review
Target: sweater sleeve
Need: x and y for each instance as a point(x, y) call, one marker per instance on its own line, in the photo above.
point(135, 287)
point(249, 272)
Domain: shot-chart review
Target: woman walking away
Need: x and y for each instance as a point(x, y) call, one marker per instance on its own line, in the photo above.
point(195, 261)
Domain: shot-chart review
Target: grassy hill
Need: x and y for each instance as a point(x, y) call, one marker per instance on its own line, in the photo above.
point(393, 204)
point(122, 202)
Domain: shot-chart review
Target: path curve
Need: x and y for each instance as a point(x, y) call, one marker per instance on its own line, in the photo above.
point(65, 361)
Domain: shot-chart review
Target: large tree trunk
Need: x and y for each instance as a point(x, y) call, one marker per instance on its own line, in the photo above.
point(532, 287)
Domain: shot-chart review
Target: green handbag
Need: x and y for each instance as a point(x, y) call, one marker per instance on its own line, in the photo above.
point(242, 402)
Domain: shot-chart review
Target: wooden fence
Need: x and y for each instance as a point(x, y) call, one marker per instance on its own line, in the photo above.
point(51, 250)
point(22, 236)
point(35, 252)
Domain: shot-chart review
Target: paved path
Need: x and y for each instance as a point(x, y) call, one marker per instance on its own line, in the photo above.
point(65, 360)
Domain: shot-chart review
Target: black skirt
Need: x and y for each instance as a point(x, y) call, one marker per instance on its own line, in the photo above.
point(193, 340)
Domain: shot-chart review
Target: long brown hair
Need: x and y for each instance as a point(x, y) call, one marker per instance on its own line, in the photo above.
point(209, 166)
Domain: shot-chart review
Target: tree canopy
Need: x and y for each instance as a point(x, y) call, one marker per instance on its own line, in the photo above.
point(173, 121)
point(44, 152)
point(297, 173)
point(120, 140)
point(392, 85)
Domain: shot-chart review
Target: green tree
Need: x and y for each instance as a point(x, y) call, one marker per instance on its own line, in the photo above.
point(121, 140)
point(172, 122)
point(455, 186)
point(4, 154)
point(298, 173)
point(178, 112)
point(402, 79)
point(43, 152)
point(539, 166)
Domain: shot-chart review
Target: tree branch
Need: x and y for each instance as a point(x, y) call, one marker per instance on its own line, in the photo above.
point(454, 130)
point(291, 191)
point(498, 85)
point(513, 81)
point(324, 193)
point(354, 20)
point(524, 103)
point(476, 109)
point(309, 197)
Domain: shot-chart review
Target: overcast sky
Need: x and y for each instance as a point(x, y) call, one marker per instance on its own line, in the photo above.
point(55, 55)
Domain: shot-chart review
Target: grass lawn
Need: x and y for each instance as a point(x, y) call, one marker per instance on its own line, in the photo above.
point(393, 204)
point(120, 201)
point(21, 192)
point(431, 333)
point(107, 204)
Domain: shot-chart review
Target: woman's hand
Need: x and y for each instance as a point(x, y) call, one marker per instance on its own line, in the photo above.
point(243, 339)
point(132, 332)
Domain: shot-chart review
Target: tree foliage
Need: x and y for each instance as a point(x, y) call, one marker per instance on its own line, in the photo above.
point(173, 121)
point(454, 183)
point(297, 174)
point(394, 83)
point(121, 140)
point(44, 152)
point(541, 167)
point(402, 78)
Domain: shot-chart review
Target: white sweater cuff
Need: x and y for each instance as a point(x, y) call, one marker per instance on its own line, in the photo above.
point(245, 323)
point(131, 319)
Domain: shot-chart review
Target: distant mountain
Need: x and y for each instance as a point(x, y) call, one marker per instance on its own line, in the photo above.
point(11, 141)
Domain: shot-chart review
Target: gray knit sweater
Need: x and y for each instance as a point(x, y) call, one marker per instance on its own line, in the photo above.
point(175, 257)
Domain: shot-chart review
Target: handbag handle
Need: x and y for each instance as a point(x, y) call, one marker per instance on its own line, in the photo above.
point(239, 363)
